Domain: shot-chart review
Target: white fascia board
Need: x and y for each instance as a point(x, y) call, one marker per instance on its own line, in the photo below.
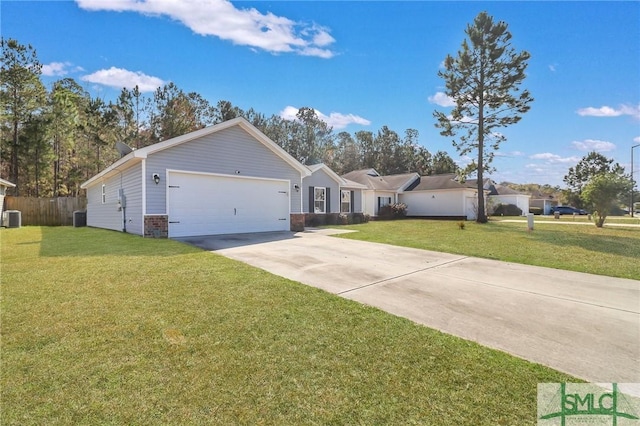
point(128, 160)
point(408, 183)
point(7, 183)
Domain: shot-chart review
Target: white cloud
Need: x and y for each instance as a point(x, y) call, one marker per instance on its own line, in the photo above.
point(119, 78)
point(442, 100)
point(59, 69)
point(554, 158)
point(636, 139)
point(335, 119)
point(509, 154)
point(464, 120)
point(220, 18)
point(552, 67)
point(593, 145)
point(607, 111)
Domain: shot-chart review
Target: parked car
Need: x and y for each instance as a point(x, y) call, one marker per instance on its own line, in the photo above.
point(567, 210)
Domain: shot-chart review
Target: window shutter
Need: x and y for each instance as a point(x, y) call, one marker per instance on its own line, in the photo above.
point(352, 201)
point(328, 196)
point(312, 203)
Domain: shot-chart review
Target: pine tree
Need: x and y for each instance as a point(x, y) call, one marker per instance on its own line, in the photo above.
point(484, 82)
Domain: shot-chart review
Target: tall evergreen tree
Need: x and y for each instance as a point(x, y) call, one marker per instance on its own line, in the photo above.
point(22, 96)
point(484, 81)
point(443, 163)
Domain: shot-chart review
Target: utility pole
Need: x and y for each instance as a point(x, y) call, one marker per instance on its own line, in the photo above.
point(633, 185)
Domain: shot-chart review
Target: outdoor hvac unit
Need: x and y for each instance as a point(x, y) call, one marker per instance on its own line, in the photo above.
point(11, 219)
point(79, 218)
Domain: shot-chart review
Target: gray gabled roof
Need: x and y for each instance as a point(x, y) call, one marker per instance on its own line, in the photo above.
point(504, 190)
point(436, 182)
point(372, 180)
point(344, 183)
point(353, 184)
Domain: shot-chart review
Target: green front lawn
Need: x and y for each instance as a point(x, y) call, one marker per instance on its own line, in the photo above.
point(604, 251)
point(101, 327)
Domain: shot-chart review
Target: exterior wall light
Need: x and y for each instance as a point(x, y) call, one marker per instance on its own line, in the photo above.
point(296, 187)
point(156, 178)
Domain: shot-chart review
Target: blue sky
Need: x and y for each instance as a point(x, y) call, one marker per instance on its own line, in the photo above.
point(362, 64)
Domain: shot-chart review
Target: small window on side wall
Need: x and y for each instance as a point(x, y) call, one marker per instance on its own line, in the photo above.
point(104, 194)
point(345, 201)
point(319, 200)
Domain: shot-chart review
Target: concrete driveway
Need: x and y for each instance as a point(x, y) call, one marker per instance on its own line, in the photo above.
point(585, 325)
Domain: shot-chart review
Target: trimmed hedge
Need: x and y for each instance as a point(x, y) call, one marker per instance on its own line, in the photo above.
point(392, 211)
point(313, 219)
point(507, 210)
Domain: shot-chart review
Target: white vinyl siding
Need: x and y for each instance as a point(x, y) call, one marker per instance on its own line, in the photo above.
point(439, 203)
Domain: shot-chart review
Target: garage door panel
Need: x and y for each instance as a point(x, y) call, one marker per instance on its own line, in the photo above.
point(208, 205)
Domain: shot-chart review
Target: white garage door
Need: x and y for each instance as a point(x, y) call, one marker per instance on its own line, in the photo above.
point(201, 204)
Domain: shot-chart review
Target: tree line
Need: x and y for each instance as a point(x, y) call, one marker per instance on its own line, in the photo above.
point(53, 139)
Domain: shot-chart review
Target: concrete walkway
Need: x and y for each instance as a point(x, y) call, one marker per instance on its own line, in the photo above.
point(585, 325)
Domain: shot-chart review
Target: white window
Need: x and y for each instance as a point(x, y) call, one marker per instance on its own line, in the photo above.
point(319, 200)
point(104, 194)
point(383, 201)
point(345, 201)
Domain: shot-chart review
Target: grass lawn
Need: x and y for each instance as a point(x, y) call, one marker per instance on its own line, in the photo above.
point(100, 327)
point(610, 251)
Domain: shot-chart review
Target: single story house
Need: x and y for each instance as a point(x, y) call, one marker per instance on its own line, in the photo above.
point(500, 194)
point(439, 196)
point(4, 184)
point(380, 190)
point(226, 178)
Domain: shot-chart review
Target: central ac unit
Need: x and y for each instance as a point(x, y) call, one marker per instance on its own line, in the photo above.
point(11, 219)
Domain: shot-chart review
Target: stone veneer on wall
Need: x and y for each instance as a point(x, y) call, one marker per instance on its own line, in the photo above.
point(156, 226)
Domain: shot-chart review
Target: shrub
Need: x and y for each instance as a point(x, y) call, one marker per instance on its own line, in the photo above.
point(507, 210)
point(392, 211)
point(332, 218)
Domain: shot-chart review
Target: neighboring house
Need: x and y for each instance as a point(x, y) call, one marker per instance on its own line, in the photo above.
point(326, 192)
point(380, 190)
point(4, 184)
point(441, 197)
point(227, 178)
point(500, 194)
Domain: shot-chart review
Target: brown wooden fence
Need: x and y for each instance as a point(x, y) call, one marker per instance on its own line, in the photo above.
point(46, 211)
